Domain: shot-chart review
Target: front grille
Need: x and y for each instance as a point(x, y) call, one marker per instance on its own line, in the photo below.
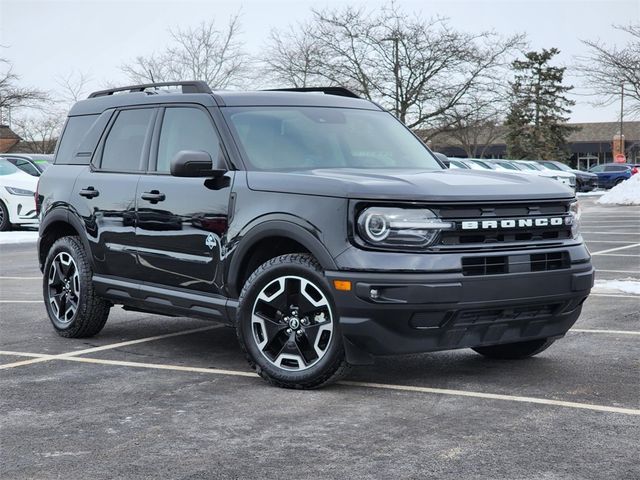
point(497, 237)
point(497, 265)
point(474, 266)
point(542, 262)
point(508, 314)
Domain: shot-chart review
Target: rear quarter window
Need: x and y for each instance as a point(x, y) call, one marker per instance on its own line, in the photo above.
point(74, 131)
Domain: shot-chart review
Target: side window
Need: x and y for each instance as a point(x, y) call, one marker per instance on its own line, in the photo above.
point(597, 168)
point(74, 131)
point(185, 128)
point(123, 147)
point(27, 167)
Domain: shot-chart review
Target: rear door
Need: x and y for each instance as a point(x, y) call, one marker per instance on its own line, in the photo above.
point(182, 222)
point(105, 193)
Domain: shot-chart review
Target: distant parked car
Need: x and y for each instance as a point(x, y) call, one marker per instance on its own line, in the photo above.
point(611, 174)
point(443, 158)
point(33, 164)
point(455, 163)
point(17, 201)
point(469, 163)
point(585, 181)
point(565, 178)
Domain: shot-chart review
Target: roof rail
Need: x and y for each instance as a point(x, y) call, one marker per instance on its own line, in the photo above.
point(340, 91)
point(192, 86)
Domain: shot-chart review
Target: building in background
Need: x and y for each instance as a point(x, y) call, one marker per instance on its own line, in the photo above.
point(8, 139)
point(591, 144)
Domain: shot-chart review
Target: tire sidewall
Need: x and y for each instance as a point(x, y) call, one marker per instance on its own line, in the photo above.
point(66, 245)
point(251, 290)
point(5, 225)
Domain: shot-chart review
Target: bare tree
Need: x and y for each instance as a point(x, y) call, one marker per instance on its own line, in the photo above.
point(14, 96)
point(39, 133)
point(418, 69)
point(73, 87)
point(475, 123)
point(205, 52)
point(294, 57)
point(607, 67)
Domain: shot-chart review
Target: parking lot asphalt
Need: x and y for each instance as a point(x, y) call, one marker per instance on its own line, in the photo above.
point(156, 397)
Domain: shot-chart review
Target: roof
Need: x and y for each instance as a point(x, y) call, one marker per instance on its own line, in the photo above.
point(594, 132)
point(7, 134)
point(604, 131)
point(222, 98)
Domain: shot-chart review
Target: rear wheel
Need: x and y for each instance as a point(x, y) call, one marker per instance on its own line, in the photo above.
point(4, 218)
point(619, 181)
point(514, 351)
point(72, 304)
point(288, 326)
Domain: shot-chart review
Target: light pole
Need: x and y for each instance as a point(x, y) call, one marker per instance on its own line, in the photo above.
point(621, 107)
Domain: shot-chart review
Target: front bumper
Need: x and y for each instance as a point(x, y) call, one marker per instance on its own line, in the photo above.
point(422, 312)
point(587, 184)
point(22, 209)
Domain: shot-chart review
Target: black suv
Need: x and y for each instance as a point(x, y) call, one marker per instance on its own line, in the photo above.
point(311, 220)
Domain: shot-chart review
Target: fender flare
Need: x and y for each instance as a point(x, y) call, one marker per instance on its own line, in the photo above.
point(293, 228)
point(63, 215)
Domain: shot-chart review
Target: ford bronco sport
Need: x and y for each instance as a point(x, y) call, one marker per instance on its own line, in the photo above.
point(311, 220)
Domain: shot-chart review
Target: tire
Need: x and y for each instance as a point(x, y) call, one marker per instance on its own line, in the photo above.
point(515, 351)
point(619, 181)
point(294, 340)
point(73, 307)
point(5, 224)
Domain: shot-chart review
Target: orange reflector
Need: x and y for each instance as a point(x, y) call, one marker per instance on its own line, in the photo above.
point(344, 285)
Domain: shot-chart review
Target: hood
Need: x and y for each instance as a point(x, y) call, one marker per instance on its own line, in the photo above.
point(19, 180)
point(559, 173)
point(410, 184)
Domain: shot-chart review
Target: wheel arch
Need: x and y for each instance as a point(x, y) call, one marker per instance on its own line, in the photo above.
point(270, 239)
point(59, 223)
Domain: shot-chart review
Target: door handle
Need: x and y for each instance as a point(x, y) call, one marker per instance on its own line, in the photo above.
point(89, 192)
point(154, 196)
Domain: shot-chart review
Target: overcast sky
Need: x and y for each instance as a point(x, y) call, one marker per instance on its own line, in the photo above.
point(49, 39)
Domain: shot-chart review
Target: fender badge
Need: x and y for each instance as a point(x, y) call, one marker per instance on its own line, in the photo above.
point(210, 241)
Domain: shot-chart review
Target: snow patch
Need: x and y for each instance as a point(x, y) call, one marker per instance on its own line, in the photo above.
point(617, 286)
point(626, 193)
point(8, 238)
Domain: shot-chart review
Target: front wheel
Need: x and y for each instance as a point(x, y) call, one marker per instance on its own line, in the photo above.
point(288, 326)
point(514, 351)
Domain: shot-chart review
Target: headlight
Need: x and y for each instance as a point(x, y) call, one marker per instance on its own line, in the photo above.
point(19, 191)
point(574, 218)
point(400, 227)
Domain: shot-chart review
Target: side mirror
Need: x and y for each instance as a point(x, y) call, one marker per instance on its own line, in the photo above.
point(194, 163)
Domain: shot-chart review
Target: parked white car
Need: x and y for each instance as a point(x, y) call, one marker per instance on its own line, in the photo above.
point(567, 178)
point(17, 201)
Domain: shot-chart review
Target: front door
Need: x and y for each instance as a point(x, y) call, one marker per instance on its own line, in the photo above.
point(182, 222)
point(106, 191)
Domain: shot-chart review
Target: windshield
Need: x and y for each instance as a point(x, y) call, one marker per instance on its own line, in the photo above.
point(301, 138)
point(507, 165)
point(7, 168)
point(551, 166)
point(526, 166)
